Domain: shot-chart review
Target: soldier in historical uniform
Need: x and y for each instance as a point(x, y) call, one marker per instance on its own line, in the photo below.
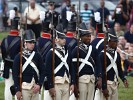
point(71, 40)
point(113, 70)
point(88, 63)
point(98, 41)
point(44, 44)
point(64, 80)
point(51, 17)
point(10, 47)
point(32, 70)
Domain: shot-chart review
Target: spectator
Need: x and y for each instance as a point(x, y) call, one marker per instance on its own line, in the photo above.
point(126, 62)
point(130, 61)
point(32, 14)
point(131, 44)
point(73, 20)
point(118, 30)
point(124, 3)
point(129, 35)
point(86, 15)
point(64, 14)
point(64, 4)
point(122, 55)
point(122, 41)
point(120, 16)
point(127, 45)
point(51, 17)
point(17, 14)
point(105, 10)
point(130, 14)
point(3, 9)
point(130, 51)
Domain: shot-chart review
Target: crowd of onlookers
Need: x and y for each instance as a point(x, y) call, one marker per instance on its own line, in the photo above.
point(124, 30)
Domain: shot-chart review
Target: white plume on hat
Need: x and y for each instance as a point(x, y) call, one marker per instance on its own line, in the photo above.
point(97, 16)
point(12, 14)
point(42, 15)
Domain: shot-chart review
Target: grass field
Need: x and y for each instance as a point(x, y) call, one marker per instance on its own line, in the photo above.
point(1, 90)
point(3, 34)
point(124, 93)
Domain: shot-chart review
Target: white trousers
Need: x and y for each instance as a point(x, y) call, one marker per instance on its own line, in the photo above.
point(98, 95)
point(8, 83)
point(113, 92)
point(29, 95)
point(86, 91)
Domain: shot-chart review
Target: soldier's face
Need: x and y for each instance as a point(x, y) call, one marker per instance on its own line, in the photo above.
point(61, 42)
point(86, 39)
point(113, 44)
point(29, 45)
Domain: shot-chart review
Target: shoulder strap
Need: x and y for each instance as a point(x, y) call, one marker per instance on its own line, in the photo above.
point(12, 44)
point(6, 44)
point(37, 44)
point(71, 43)
point(83, 49)
point(46, 49)
point(45, 46)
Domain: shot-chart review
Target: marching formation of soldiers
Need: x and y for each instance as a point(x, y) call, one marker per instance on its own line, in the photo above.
point(63, 61)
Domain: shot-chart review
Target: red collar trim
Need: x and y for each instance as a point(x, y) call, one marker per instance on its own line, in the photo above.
point(70, 34)
point(14, 32)
point(100, 35)
point(46, 35)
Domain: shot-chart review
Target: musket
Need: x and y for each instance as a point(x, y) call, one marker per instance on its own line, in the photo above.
point(26, 17)
point(21, 46)
point(105, 42)
point(20, 6)
point(20, 75)
point(78, 43)
point(53, 52)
